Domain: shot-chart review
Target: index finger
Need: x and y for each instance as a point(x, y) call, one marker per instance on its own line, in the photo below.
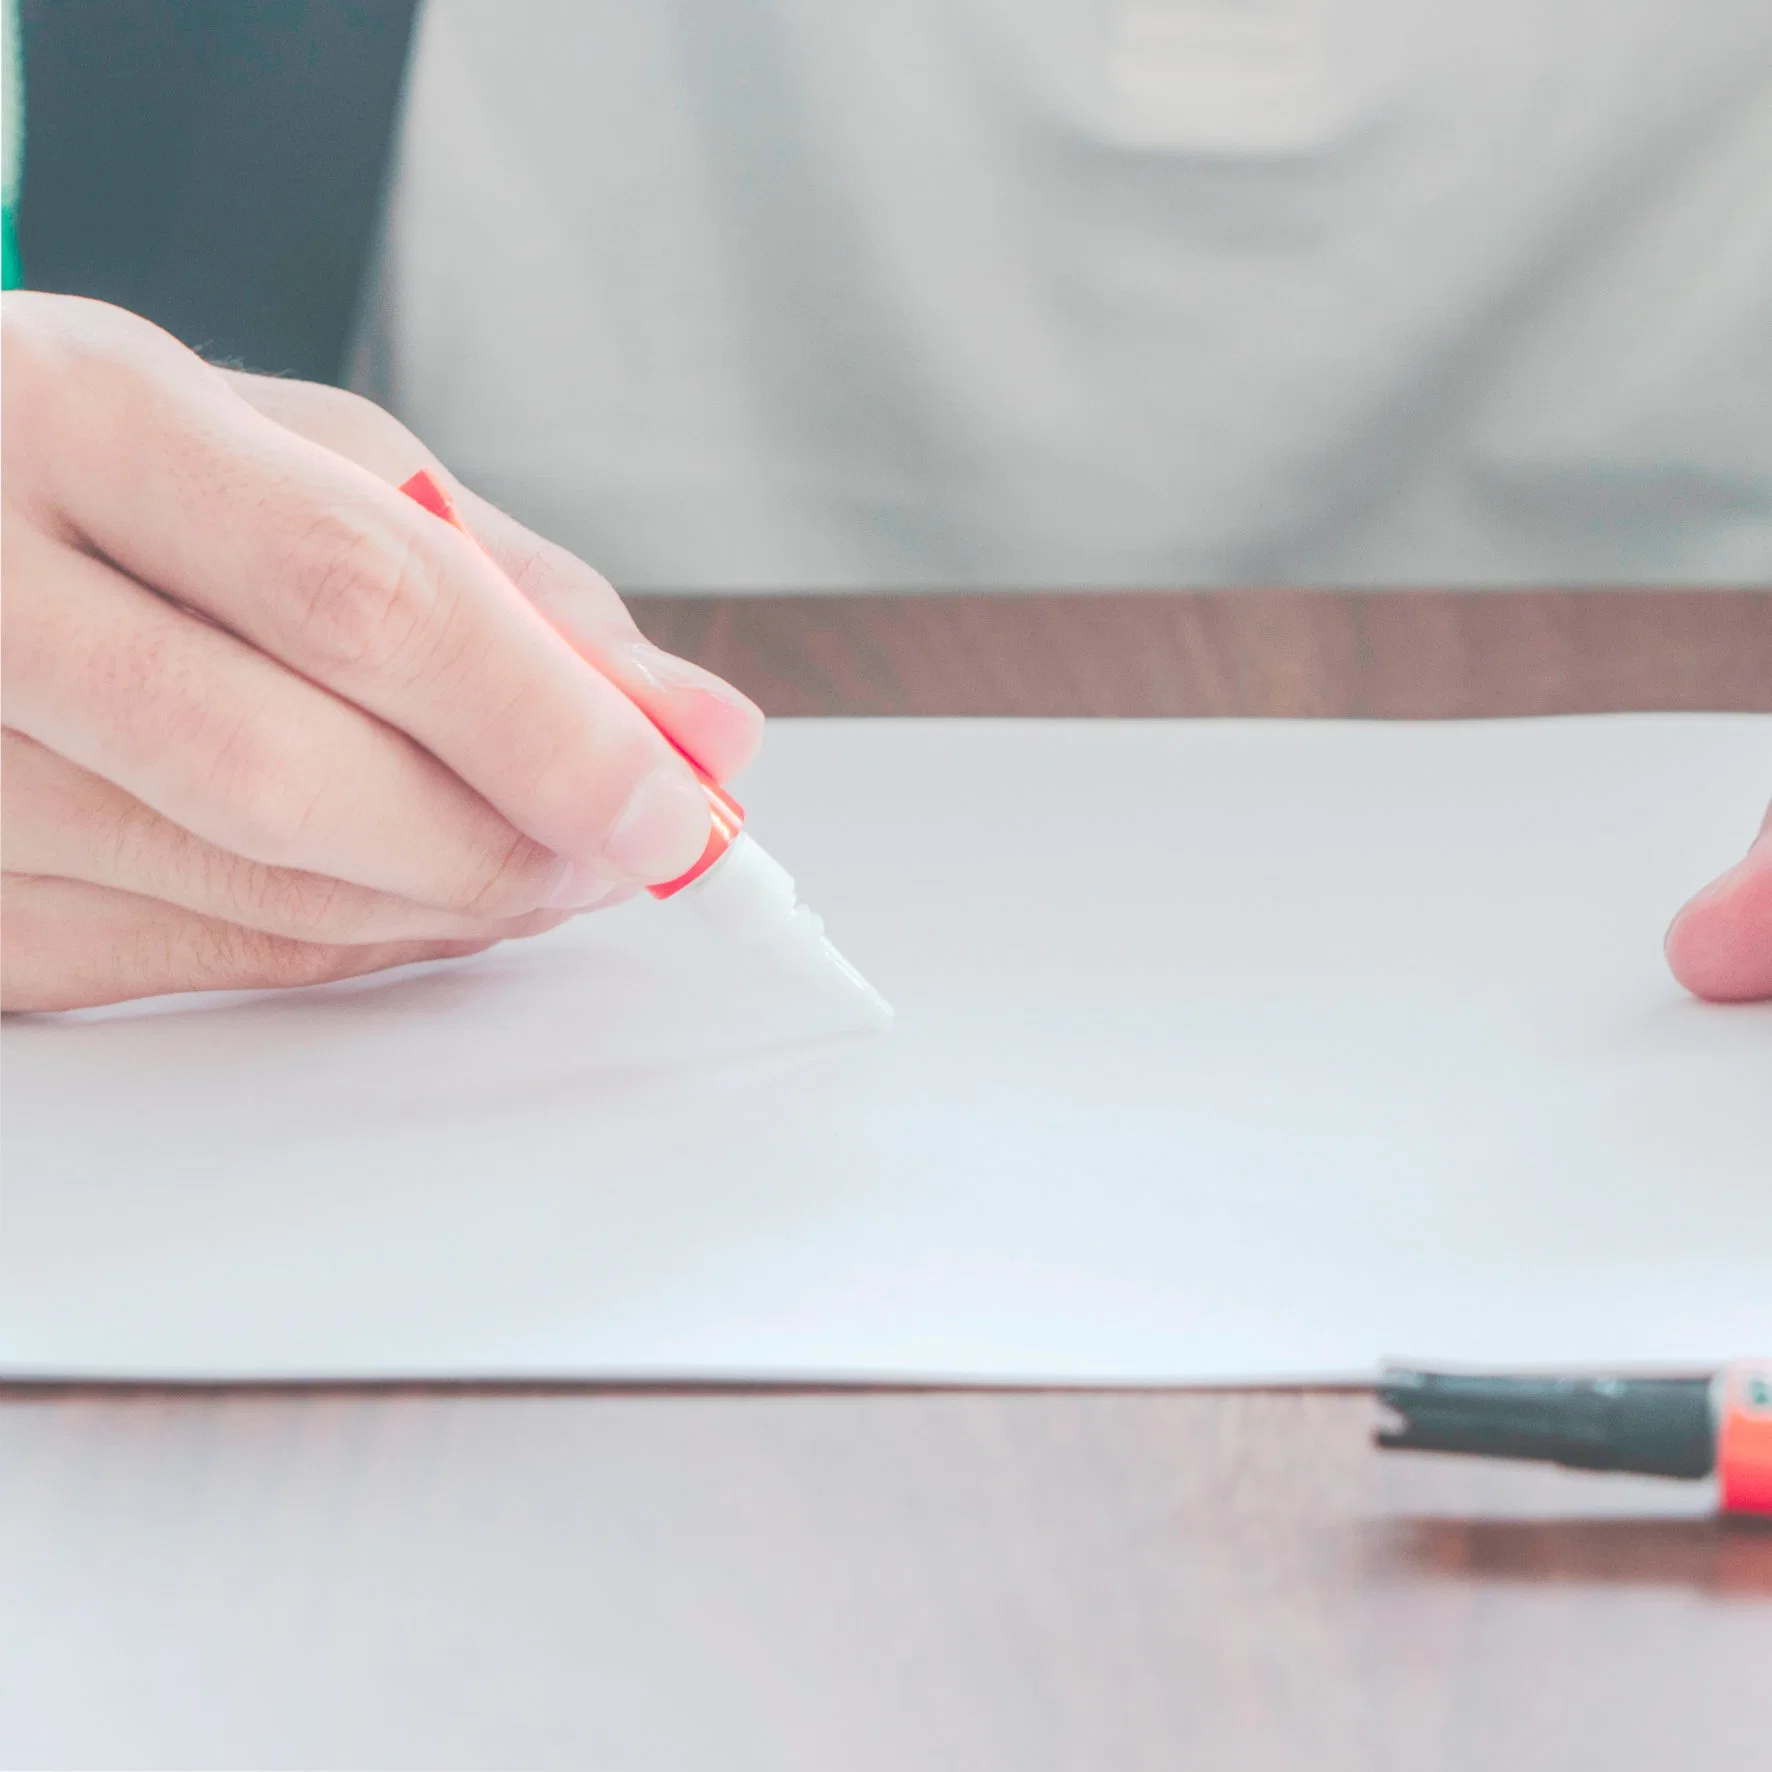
point(1720, 945)
point(325, 567)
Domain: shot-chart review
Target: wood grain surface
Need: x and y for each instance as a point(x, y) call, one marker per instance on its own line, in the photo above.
point(1352, 655)
point(1031, 1581)
point(958, 1582)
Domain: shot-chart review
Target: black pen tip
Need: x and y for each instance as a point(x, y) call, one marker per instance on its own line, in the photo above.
point(1652, 1426)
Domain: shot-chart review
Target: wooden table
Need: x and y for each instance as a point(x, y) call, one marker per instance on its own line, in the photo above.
point(640, 1580)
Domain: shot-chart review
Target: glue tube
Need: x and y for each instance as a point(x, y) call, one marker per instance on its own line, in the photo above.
point(735, 885)
point(1659, 1427)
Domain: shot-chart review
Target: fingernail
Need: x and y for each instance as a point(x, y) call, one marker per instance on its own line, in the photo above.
point(662, 829)
point(578, 887)
point(664, 670)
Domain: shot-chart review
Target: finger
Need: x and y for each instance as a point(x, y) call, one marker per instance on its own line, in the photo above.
point(337, 419)
point(1720, 945)
point(323, 566)
point(69, 945)
point(715, 723)
point(244, 754)
point(64, 821)
point(720, 727)
point(658, 676)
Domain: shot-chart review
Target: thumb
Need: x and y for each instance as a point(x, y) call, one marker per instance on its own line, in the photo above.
point(1720, 945)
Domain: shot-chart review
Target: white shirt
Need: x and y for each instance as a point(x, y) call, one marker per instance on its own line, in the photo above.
point(831, 293)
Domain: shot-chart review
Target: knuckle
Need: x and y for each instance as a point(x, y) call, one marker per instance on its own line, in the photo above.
point(303, 904)
point(533, 564)
point(258, 781)
point(558, 581)
point(205, 950)
point(32, 398)
point(68, 357)
point(338, 419)
point(46, 334)
point(256, 957)
point(507, 879)
point(286, 901)
point(368, 597)
point(269, 798)
point(132, 834)
point(25, 352)
point(287, 962)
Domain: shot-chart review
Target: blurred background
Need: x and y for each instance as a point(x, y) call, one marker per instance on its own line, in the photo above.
point(830, 295)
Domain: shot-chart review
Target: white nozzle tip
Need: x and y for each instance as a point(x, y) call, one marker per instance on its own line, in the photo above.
point(749, 895)
point(880, 1012)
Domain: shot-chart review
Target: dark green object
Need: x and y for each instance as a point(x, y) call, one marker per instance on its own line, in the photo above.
point(1660, 1427)
point(14, 122)
point(216, 165)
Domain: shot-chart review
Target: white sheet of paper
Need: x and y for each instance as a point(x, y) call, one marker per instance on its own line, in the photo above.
point(1227, 1050)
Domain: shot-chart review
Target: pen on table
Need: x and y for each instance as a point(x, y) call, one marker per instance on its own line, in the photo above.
point(735, 885)
point(1660, 1427)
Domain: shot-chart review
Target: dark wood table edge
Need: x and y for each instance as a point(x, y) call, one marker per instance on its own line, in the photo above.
point(1233, 653)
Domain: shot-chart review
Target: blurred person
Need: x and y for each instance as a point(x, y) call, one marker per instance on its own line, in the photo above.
point(751, 293)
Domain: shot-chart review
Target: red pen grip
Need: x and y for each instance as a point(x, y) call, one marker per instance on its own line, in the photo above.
point(725, 815)
point(1744, 1438)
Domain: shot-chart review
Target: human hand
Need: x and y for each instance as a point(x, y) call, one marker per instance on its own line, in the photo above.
point(266, 720)
point(1720, 945)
